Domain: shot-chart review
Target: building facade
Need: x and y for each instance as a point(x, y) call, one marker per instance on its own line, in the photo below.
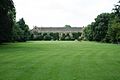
point(61, 33)
point(57, 29)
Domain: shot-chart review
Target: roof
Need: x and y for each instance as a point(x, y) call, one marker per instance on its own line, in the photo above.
point(57, 29)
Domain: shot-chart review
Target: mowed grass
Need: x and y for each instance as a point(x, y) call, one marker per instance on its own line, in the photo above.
point(59, 60)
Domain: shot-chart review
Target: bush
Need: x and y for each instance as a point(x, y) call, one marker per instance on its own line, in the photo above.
point(47, 37)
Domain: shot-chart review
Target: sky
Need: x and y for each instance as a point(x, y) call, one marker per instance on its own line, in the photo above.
point(57, 13)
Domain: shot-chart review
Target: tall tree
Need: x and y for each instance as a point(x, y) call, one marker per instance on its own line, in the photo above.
point(87, 33)
point(117, 10)
point(114, 25)
point(101, 26)
point(97, 30)
point(67, 26)
point(22, 30)
point(7, 20)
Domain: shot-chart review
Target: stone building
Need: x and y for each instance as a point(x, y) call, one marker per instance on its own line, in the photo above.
point(61, 32)
point(57, 29)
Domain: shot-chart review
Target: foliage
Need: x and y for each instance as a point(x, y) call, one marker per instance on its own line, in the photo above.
point(106, 27)
point(101, 26)
point(62, 36)
point(55, 36)
point(117, 10)
point(67, 37)
point(67, 26)
point(10, 30)
point(7, 20)
point(87, 33)
point(114, 32)
point(76, 35)
point(97, 30)
point(22, 31)
point(47, 37)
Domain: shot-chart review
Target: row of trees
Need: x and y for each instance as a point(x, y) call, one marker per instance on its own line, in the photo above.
point(56, 36)
point(106, 27)
point(10, 30)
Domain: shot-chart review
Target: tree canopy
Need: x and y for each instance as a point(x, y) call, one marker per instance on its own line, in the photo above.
point(7, 20)
point(67, 26)
point(106, 27)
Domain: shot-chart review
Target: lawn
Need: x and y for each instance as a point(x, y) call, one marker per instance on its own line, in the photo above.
point(59, 60)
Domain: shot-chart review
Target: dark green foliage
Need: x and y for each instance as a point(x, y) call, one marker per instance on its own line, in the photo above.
point(101, 26)
point(88, 35)
point(67, 37)
point(31, 36)
point(10, 30)
point(97, 30)
point(18, 33)
point(44, 34)
point(114, 32)
point(67, 26)
point(7, 20)
point(47, 37)
point(55, 36)
point(117, 10)
point(76, 35)
point(62, 36)
point(22, 32)
point(106, 27)
point(40, 36)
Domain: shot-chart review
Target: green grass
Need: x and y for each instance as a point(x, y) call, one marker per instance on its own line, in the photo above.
point(59, 61)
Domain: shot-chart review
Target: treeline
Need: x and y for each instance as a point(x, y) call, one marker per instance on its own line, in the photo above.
point(10, 30)
point(106, 27)
point(56, 36)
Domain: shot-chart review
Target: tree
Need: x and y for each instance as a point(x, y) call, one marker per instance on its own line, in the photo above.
point(113, 34)
point(67, 26)
point(106, 27)
point(87, 33)
point(97, 30)
point(117, 10)
point(40, 36)
point(54, 36)
point(76, 35)
point(62, 37)
point(47, 37)
point(67, 36)
point(115, 29)
point(101, 26)
point(7, 20)
point(22, 31)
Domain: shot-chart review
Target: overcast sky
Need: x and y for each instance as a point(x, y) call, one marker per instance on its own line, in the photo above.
point(57, 13)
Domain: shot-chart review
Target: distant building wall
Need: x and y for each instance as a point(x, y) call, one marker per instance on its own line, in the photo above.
point(57, 29)
point(61, 33)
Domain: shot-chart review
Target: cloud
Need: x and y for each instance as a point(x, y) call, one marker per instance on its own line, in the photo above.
point(60, 12)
